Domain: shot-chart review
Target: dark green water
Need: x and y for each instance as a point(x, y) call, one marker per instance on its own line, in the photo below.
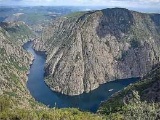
point(87, 101)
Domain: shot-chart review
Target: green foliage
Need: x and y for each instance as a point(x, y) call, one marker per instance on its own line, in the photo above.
point(130, 103)
point(111, 107)
point(19, 31)
point(115, 116)
point(135, 43)
point(10, 112)
point(34, 18)
point(124, 54)
point(116, 104)
point(2, 51)
point(134, 109)
point(14, 78)
point(4, 103)
point(11, 94)
point(16, 64)
point(50, 114)
point(107, 43)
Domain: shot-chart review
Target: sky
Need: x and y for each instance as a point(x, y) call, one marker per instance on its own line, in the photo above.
point(109, 3)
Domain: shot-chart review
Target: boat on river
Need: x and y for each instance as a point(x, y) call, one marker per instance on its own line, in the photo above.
point(110, 90)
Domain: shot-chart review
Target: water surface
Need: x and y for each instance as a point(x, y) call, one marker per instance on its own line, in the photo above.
point(87, 101)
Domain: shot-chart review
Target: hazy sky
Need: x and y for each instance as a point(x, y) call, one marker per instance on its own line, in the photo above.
point(112, 3)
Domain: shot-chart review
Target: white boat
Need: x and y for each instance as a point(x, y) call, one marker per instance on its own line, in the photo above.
point(110, 90)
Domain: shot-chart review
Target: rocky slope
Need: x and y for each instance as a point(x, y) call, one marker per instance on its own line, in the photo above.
point(86, 49)
point(137, 101)
point(14, 65)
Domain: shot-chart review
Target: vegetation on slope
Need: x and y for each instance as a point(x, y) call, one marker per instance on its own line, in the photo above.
point(14, 65)
point(17, 31)
point(7, 112)
point(137, 101)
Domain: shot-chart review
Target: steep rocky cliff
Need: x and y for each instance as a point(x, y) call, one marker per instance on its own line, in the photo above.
point(86, 49)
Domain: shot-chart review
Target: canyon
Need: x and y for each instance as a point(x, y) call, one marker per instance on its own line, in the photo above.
point(86, 49)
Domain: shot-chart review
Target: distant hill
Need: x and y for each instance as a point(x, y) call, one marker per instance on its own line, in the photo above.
point(33, 15)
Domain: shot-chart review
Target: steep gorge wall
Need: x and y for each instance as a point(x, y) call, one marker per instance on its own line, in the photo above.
point(91, 48)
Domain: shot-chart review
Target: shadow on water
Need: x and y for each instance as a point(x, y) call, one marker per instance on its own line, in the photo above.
point(86, 101)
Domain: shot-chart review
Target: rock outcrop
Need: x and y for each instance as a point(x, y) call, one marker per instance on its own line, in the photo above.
point(86, 49)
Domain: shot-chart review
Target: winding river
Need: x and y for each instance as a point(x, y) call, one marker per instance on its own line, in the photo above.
point(87, 101)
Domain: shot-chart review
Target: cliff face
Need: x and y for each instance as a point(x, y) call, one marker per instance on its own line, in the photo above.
point(87, 49)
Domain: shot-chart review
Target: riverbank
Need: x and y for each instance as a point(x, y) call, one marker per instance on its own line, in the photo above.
point(86, 101)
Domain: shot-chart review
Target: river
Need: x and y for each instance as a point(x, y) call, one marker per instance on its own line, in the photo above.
point(86, 101)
